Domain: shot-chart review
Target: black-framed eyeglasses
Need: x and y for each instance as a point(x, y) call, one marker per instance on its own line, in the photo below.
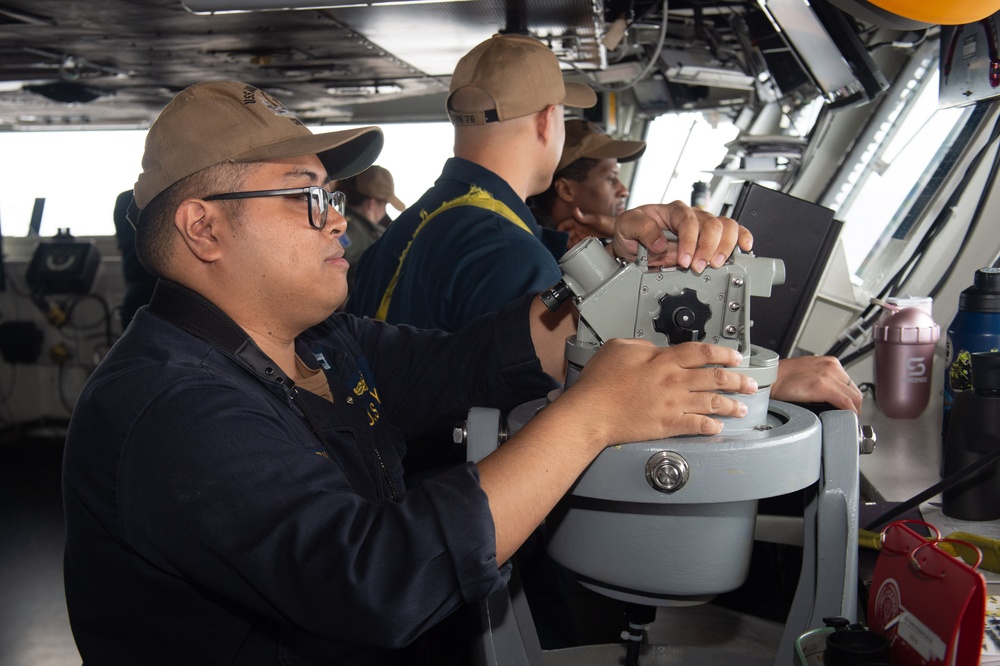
point(320, 201)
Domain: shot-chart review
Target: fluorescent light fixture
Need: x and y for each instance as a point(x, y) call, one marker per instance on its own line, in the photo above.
point(234, 6)
point(617, 73)
point(364, 90)
point(695, 67)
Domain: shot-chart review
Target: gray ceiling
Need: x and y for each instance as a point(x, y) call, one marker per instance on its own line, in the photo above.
point(115, 63)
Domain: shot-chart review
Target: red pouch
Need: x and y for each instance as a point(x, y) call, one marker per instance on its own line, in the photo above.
point(931, 605)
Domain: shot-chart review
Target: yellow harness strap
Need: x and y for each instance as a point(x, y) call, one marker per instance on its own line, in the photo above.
point(477, 197)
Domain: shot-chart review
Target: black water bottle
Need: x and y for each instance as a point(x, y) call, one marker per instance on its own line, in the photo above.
point(974, 432)
point(975, 328)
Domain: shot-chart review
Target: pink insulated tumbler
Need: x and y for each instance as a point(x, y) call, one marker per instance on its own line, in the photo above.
point(904, 356)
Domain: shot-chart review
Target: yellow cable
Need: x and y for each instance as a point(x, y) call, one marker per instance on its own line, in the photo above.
point(989, 547)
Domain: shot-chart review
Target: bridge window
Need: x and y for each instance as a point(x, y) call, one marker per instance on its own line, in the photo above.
point(893, 171)
point(80, 173)
point(682, 148)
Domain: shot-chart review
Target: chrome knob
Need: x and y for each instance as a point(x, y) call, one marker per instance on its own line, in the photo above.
point(667, 471)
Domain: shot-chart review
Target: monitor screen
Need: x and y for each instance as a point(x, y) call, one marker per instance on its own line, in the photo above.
point(800, 233)
point(820, 40)
point(970, 62)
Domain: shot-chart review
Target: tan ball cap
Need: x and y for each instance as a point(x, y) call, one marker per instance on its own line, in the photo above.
point(376, 182)
point(228, 121)
point(521, 75)
point(585, 139)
